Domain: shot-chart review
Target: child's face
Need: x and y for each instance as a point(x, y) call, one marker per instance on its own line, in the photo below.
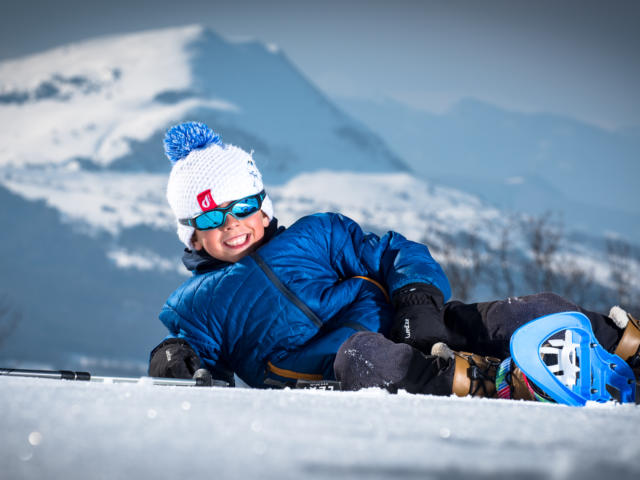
point(233, 240)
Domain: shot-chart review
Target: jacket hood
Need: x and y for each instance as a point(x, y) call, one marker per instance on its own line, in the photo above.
point(199, 261)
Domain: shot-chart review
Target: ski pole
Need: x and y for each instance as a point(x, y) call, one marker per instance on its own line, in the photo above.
point(199, 380)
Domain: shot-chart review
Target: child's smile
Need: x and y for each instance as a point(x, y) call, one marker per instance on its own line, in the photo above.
point(233, 240)
point(238, 241)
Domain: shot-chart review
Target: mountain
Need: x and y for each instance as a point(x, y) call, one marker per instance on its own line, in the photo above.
point(75, 306)
point(105, 103)
point(89, 252)
point(520, 162)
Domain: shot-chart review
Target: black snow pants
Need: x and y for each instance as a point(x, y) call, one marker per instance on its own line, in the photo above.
point(368, 359)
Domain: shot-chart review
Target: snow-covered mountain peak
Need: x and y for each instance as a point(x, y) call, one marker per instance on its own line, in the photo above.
point(137, 55)
point(107, 102)
point(93, 99)
point(251, 40)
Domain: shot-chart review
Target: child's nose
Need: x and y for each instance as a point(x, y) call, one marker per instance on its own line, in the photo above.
point(230, 221)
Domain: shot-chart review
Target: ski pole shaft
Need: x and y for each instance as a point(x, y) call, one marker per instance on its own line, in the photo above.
point(176, 382)
point(86, 376)
point(53, 374)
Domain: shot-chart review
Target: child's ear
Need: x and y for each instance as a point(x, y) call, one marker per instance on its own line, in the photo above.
point(265, 220)
point(197, 244)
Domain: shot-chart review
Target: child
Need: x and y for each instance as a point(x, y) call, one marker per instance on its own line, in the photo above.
point(316, 300)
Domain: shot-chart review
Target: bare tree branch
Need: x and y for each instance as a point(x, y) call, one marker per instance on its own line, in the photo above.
point(463, 259)
point(503, 283)
point(619, 255)
point(543, 237)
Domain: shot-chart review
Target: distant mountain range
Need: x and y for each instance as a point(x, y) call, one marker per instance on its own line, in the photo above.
point(519, 162)
point(89, 252)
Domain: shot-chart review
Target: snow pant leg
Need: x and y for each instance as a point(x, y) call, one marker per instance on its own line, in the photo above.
point(313, 361)
point(369, 359)
point(486, 328)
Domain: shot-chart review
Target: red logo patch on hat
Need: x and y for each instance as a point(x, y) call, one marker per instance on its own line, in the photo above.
point(205, 199)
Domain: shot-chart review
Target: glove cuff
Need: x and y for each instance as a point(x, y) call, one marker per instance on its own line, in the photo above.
point(418, 294)
point(171, 341)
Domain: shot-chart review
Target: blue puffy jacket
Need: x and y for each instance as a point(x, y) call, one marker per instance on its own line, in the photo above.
point(283, 312)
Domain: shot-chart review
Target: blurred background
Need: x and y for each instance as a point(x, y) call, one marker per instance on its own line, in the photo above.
point(505, 135)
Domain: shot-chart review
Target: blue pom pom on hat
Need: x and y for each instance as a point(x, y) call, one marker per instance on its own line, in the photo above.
point(181, 139)
point(201, 162)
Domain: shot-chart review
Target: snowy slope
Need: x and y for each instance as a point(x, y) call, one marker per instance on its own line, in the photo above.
point(56, 429)
point(108, 101)
point(113, 202)
point(89, 100)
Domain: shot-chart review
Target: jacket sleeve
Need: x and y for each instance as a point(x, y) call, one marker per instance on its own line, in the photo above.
point(189, 328)
point(391, 259)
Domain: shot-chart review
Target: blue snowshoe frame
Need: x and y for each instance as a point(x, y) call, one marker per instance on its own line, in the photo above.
point(602, 376)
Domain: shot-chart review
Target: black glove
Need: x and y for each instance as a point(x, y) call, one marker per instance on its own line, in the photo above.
point(418, 320)
point(173, 358)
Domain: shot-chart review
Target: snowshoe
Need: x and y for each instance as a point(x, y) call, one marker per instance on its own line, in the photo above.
point(562, 361)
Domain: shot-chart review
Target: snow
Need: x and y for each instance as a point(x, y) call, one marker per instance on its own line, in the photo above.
point(144, 261)
point(110, 201)
point(104, 201)
point(100, 97)
point(393, 201)
point(77, 430)
point(272, 48)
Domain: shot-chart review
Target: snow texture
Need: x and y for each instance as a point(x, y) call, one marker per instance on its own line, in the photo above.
point(76, 430)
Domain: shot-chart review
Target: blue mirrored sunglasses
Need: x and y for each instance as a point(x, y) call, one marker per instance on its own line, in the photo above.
point(215, 218)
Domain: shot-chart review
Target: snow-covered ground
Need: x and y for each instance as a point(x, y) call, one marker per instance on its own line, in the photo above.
point(75, 430)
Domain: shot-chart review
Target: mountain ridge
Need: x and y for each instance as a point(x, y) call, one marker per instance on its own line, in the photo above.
point(109, 107)
point(475, 143)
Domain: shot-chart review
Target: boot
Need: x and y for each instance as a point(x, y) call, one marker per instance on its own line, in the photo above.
point(629, 345)
point(475, 375)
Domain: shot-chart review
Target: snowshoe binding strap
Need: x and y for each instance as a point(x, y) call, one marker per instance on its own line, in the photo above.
point(474, 375)
point(511, 383)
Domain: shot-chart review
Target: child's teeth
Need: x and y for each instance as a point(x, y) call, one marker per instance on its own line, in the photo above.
point(237, 241)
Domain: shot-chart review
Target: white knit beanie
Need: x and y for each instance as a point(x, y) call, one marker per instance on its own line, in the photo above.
point(207, 173)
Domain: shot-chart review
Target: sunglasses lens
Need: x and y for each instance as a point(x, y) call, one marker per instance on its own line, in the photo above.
point(209, 220)
point(245, 207)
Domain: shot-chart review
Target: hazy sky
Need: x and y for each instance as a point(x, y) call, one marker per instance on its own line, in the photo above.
point(579, 58)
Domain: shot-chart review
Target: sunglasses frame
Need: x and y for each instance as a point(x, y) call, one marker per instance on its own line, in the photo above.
point(192, 222)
